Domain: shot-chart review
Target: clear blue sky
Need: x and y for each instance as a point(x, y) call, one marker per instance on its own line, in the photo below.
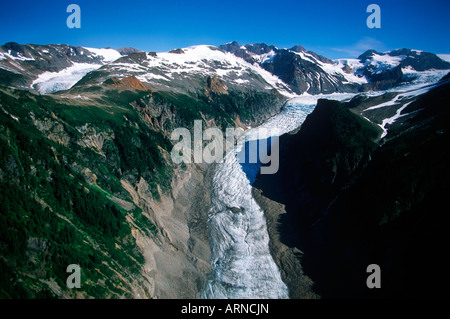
point(334, 28)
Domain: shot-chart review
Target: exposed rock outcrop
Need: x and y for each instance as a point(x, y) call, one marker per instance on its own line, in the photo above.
point(215, 85)
point(128, 83)
point(177, 259)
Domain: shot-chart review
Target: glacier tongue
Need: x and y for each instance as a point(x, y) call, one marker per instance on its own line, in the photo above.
point(242, 266)
point(241, 261)
point(50, 82)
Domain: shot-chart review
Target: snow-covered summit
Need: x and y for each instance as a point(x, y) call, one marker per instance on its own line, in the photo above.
point(187, 69)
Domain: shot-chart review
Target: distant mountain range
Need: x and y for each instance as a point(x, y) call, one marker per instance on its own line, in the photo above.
point(50, 68)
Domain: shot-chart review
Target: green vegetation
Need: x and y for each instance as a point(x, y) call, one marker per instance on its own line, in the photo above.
point(223, 108)
point(62, 161)
point(50, 215)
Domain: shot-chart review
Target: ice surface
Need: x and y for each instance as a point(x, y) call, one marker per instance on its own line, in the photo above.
point(108, 55)
point(445, 57)
point(242, 266)
point(49, 82)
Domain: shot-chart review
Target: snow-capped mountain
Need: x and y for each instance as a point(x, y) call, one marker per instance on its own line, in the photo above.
point(305, 71)
point(189, 70)
point(49, 68)
point(302, 70)
point(380, 71)
point(392, 68)
point(250, 67)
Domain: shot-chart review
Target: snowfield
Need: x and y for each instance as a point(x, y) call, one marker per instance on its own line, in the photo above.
point(445, 57)
point(108, 55)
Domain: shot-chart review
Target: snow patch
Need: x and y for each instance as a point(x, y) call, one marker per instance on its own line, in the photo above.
point(265, 58)
point(391, 120)
point(19, 57)
point(241, 81)
point(386, 60)
point(337, 69)
point(445, 57)
point(108, 55)
point(207, 60)
point(306, 57)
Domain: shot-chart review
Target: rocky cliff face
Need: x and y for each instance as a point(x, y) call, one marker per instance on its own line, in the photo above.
point(60, 176)
point(249, 52)
point(303, 75)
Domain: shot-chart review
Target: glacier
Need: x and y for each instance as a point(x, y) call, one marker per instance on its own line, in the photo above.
point(50, 82)
point(242, 266)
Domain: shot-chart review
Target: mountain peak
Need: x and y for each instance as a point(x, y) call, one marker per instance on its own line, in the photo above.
point(177, 51)
point(406, 58)
point(260, 48)
point(127, 50)
point(297, 48)
point(368, 54)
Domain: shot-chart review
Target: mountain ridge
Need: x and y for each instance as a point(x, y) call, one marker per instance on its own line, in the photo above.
point(298, 70)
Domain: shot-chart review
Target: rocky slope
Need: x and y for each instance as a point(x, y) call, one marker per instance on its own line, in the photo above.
point(302, 70)
point(87, 179)
point(94, 185)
